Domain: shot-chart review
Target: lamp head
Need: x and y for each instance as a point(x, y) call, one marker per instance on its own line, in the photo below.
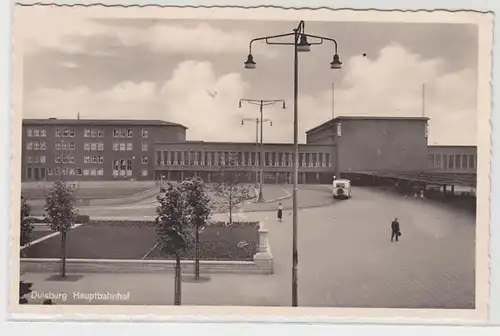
point(270, 123)
point(284, 105)
point(242, 122)
point(336, 63)
point(250, 64)
point(239, 104)
point(303, 45)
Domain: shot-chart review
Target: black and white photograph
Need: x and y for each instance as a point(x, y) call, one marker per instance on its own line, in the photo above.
point(283, 160)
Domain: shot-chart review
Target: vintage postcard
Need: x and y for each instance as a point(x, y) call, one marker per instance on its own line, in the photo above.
point(233, 163)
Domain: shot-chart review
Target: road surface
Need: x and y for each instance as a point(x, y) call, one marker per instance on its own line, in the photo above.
point(346, 259)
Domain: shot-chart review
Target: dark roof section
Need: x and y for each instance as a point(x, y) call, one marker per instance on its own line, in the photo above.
point(104, 122)
point(453, 146)
point(340, 118)
point(429, 177)
point(248, 143)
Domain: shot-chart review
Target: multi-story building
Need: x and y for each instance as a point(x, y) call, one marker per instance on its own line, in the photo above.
point(153, 149)
point(80, 149)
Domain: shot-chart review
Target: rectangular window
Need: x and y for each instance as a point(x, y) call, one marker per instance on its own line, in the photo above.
point(437, 161)
point(451, 162)
point(58, 145)
point(93, 133)
point(144, 146)
point(43, 145)
point(58, 132)
point(145, 133)
point(72, 132)
point(36, 145)
point(100, 171)
point(86, 133)
point(64, 145)
point(93, 159)
point(29, 174)
point(122, 146)
point(64, 158)
point(130, 133)
point(93, 146)
point(35, 159)
point(144, 160)
point(464, 161)
point(86, 159)
point(123, 133)
point(71, 159)
point(43, 132)
point(43, 159)
point(57, 159)
point(327, 158)
point(86, 172)
point(29, 132)
point(100, 159)
point(116, 133)
point(100, 146)
point(116, 146)
point(72, 145)
point(430, 161)
point(79, 171)
point(129, 146)
point(65, 132)
point(458, 161)
point(472, 163)
point(57, 171)
point(29, 159)
point(65, 171)
point(100, 133)
point(129, 165)
point(86, 146)
point(93, 172)
point(72, 171)
point(144, 172)
point(50, 171)
point(36, 132)
point(29, 145)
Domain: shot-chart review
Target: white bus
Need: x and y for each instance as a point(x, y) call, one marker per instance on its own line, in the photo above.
point(341, 189)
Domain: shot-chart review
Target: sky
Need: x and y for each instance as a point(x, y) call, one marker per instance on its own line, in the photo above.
point(191, 72)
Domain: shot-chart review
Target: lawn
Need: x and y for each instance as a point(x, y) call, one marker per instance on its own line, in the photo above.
point(135, 240)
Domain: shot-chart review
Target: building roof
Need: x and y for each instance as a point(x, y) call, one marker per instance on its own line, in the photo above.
point(429, 177)
point(104, 122)
point(249, 143)
point(452, 146)
point(340, 118)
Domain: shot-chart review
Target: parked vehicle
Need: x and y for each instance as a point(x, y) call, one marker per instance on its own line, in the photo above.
point(342, 189)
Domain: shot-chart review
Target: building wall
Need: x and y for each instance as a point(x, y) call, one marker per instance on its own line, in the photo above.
point(180, 160)
point(452, 159)
point(92, 153)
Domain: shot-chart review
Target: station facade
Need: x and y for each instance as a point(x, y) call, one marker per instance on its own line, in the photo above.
point(154, 149)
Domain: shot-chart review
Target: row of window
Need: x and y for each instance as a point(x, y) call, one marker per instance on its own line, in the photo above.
point(94, 146)
point(36, 159)
point(69, 158)
point(452, 161)
point(36, 132)
point(128, 133)
point(42, 172)
point(87, 132)
point(276, 159)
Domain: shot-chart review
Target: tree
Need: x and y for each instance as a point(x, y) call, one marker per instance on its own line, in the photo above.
point(199, 209)
point(230, 191)
point(60, 207)
point(173, 230)
point(26, 222)
point(24, 289)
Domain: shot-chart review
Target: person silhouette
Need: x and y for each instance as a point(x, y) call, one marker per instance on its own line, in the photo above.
point(396, 231)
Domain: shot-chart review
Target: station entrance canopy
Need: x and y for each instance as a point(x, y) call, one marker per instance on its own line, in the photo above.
point(435, 178)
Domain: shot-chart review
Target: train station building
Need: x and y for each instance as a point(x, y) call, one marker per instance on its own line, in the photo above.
point(346, 146)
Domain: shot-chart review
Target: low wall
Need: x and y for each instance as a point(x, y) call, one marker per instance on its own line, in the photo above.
point(36, 265)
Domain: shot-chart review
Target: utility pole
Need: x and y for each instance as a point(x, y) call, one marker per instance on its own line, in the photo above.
point(261, 103)
point(257, 122)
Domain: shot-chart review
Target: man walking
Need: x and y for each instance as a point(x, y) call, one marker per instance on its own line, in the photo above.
point(396, 232)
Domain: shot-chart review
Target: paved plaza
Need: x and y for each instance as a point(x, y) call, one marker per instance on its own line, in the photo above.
point(346, 259)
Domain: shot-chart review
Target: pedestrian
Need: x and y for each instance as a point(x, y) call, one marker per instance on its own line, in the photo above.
point(280, 213)
point(396, 231)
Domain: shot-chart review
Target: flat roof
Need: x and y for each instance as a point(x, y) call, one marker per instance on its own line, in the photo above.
point(429, 177)
point(453, 146)
point(252, 143)
point(104, 122)
point(365, 118)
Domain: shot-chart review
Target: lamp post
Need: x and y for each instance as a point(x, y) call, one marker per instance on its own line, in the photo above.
point(257, 123)
point(300, 44)
point(261, 104)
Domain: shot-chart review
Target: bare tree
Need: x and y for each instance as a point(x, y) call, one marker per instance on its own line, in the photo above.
point(229, 189)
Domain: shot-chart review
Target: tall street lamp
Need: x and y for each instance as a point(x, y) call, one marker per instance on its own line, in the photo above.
point(262, 103)
point(300, 44)
point(257, 122)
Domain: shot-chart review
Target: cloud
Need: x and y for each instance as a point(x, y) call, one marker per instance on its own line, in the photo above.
point(71, 34)
point(388, 84)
